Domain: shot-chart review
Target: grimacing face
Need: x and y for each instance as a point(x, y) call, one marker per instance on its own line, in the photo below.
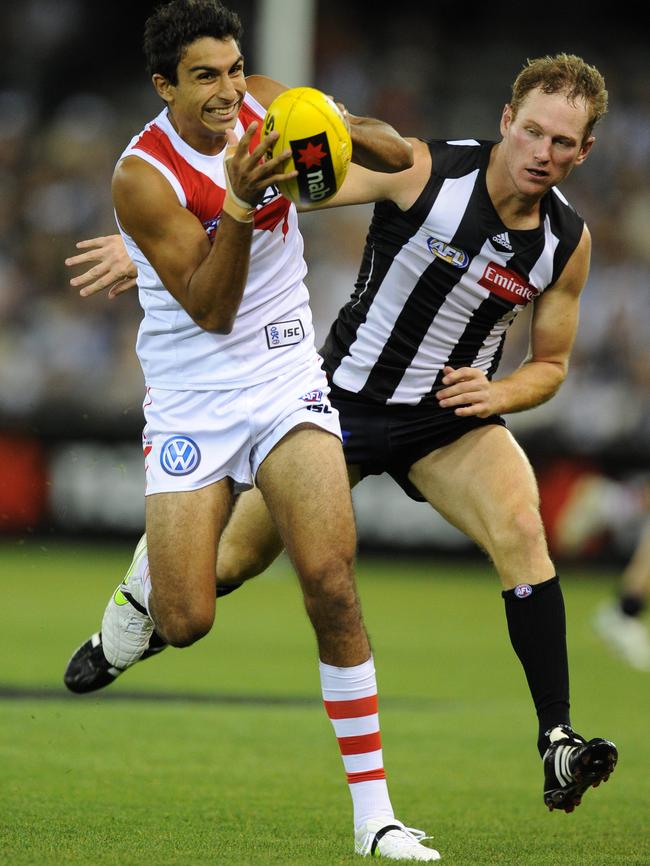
point(544, 141)
point(209, 93)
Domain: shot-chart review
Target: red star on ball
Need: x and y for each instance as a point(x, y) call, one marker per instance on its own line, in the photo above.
point(311, 155)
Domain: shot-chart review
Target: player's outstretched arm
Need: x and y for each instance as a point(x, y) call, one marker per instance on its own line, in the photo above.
point(362, 186)
point(110, 267)
point(377, 146)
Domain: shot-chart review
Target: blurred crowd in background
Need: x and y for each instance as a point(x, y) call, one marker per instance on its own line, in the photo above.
point(73, 91)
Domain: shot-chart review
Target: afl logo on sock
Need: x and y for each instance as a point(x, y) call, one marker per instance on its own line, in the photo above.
point(180, 455)
point(523, 590)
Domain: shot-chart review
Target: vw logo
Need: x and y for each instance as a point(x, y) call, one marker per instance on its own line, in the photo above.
point(180, 455)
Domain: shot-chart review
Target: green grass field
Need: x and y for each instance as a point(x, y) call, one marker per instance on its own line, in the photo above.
point(222, 753)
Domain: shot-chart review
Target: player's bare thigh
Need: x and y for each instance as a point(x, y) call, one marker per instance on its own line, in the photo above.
point(251, 541)
point(183, 531)
point(484, 484)
point(305, 485)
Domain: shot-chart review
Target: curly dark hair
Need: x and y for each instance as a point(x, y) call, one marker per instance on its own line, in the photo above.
point(175, 25)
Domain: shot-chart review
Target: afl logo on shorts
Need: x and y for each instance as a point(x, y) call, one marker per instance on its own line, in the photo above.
point(180, 455)
point(523, 590)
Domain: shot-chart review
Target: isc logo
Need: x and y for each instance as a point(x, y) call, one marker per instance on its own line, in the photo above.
point(284, 333)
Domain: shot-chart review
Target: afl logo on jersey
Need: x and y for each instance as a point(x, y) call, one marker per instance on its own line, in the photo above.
point(451, 255)
point(523, 590)
point(313, 396)
point(180, 455)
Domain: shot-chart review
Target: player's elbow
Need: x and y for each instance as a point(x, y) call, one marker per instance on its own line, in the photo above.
point(393, 158)
point(555, 378)
point(561, 370)
point(221, 327)
point(403, 157)
point(398, 157)
point(214, 321)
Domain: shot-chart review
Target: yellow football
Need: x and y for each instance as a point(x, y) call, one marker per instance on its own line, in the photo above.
point(312, 127)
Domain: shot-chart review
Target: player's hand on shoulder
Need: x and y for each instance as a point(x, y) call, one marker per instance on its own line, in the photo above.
point(467, 391)
point(376, 145)
point(110, 267)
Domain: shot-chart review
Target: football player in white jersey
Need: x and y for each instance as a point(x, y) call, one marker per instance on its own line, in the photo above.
point(473, 472)
point(231, 397)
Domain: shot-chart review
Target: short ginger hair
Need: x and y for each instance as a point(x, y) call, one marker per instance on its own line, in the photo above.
point(563, 73)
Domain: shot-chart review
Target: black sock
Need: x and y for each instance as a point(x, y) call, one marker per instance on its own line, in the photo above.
point(155, 641)
point(632, 605)
point(227, 588)
point(537, 628)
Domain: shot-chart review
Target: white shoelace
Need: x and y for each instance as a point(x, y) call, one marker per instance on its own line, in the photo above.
point(408, 836)
point(411, 835)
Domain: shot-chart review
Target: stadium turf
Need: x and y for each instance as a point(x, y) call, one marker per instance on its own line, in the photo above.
point(222, 754)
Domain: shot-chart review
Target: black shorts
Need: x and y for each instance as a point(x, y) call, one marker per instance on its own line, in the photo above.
point(379, 438)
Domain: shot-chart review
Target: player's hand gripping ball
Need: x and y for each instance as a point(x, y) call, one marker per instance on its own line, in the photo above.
point(313, 128)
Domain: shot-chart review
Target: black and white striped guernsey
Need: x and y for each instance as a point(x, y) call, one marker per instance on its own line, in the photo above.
point(442, 282)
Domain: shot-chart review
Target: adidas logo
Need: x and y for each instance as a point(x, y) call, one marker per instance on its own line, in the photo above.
point(503, 240)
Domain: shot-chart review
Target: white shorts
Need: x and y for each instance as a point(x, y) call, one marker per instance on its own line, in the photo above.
point(194, 438)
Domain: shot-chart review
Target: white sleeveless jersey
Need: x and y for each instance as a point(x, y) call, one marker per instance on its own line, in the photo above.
point(273, 328)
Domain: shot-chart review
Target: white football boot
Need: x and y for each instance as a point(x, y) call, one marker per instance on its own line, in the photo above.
point(126, 626)
point(392, 841)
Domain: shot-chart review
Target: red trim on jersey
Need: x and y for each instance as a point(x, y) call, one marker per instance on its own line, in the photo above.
point(366, 776)
point(278, 209)
point(270, 216)
point(247, 115)
point(360, 744)
point(204, 196)
point(352, 709)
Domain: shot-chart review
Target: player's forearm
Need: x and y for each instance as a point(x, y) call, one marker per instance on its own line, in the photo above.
point(217, 286)
point(377, 146)
point(533, 383)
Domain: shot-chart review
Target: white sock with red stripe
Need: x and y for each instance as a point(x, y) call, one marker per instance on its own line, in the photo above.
point(350, 698)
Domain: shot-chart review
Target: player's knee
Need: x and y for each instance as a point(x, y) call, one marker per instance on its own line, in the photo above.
point(237, 562)
point(187, 623)
point(329, 590)
point(524, 530)
point(530, 527)
point(185, 632)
